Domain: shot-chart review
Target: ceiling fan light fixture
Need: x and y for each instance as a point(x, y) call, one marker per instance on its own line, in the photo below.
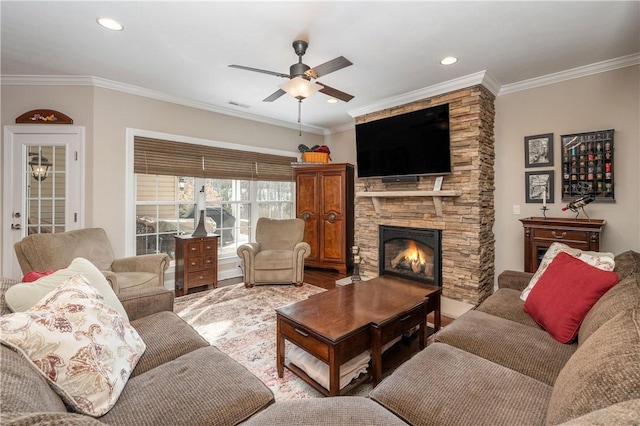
point(300, 88)
point(449, 60)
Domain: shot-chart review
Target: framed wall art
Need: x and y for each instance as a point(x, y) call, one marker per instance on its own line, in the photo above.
point(539, 187)
point(538, 150)
point(587, 165)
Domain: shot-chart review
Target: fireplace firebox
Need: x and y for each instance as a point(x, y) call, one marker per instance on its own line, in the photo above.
point(413, 253)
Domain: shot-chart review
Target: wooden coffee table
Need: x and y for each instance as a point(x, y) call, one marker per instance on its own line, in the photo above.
point(339, 324)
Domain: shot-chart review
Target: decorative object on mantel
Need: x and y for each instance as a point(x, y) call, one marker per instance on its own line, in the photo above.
point(587, 165)
point(200, 231)
point(44, 116)
point(355, 250)
point(437, 196)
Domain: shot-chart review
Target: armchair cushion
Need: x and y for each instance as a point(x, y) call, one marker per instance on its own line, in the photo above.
point(40, 252)
point(21, 297)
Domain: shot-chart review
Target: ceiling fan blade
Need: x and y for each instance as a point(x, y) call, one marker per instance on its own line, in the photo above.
point(335, 93)
point(328, 67)
point(277, 74)
point(275, 95)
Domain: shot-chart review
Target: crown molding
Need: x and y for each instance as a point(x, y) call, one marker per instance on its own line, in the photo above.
point(598, 67)
point(64, 80)
point(481, 77)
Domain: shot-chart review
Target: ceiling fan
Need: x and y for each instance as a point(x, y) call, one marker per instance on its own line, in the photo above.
point(300, 84)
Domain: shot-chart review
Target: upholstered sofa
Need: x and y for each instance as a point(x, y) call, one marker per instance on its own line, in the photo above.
point(41, 252)
point(179, 380)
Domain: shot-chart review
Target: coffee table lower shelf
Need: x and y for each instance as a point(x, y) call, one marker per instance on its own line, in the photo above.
point(317, 386)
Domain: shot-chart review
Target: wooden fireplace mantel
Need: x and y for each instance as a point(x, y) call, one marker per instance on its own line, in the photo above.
point(377, 196)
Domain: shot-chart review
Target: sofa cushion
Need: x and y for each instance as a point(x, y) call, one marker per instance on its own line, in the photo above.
point(505, 303)
point(346, 410)
point(627, 263)
point(5, 284)
point(565, 293)
point(600, 260)
point(48, 419)
point(84, 348)
point(604, 370)
point(623, 296)
point(21, 297)
point(443, 385)
point(528, 350)
point(202, 387)
point(167, 337)
point(624, 413)
point(23, 387)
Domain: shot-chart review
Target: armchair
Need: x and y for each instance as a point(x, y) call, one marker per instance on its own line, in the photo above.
point(277, 255)
point(39, 252)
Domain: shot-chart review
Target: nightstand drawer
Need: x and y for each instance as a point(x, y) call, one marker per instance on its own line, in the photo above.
point(194, 249)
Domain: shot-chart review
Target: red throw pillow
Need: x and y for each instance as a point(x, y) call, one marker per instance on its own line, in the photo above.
point(31, 276)
point(564, 294)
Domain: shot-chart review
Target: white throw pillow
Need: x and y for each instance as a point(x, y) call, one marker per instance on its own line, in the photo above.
point(601, 260)
point(21, 297)
point(83, 347)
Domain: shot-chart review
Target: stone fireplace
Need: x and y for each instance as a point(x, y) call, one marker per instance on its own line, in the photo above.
point(412, 253)
point(464, 220)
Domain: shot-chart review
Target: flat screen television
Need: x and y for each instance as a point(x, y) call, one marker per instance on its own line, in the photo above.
point(406, 145)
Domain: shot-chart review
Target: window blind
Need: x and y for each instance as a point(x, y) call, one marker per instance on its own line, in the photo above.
point(164, 157)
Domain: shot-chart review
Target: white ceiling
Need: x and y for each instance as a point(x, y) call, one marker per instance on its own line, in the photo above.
point(181, 50)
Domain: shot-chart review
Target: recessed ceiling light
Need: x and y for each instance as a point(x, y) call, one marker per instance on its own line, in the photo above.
point(449, 60)
point(332, 101)
point(110, 24)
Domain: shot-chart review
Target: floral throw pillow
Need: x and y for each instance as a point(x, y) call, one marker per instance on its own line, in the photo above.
point(601, 260)
point(84, 348)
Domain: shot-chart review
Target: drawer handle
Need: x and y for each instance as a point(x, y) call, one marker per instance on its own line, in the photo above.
point(564, 234)
point(193, 263)
point(405, 317)
point(208, 247)
point(193, 249)
point(305, 334)
point(208, 261)
point(201, 277)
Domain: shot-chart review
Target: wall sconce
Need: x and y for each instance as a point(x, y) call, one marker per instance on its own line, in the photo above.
point(181, 182)
point(40, 166)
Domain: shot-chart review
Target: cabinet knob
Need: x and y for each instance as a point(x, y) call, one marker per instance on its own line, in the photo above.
point(332, 217)
point(208, 247)
point(561, 236)
point(306, 216)
point(193, 264)
point(193, 249)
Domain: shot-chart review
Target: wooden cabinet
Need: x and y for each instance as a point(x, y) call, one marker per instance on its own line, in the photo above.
point(196, 262)
point(324, 200)
point(540, 233)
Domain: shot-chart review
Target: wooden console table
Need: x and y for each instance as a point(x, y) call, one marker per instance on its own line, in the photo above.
point(540, 233)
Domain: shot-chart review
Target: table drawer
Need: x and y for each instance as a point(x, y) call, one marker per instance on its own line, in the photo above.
point(305, 340)
point(198, 278)
point(561, 235)
point(402, 323)
point(194, 248)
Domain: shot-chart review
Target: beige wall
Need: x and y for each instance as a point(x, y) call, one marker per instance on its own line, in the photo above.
point(597, 102)
point(609, 100)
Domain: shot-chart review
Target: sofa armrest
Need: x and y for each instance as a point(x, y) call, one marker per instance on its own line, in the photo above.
point(155, 263)
point(516, 280)
point(112, 279)
point(144, 302)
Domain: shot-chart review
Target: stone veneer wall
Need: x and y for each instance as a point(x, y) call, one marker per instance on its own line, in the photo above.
point(467, 221)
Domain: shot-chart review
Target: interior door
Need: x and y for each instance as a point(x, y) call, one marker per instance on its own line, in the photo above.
point(44, 185)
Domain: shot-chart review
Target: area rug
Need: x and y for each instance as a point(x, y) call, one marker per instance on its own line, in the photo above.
point(241, 322)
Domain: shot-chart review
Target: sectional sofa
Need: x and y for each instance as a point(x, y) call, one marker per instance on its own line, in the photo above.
point(493, 365)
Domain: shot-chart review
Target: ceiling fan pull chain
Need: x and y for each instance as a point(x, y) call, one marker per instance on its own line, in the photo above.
point(299, 113)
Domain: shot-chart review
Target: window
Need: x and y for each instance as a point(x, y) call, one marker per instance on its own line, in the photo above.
point(240, 184)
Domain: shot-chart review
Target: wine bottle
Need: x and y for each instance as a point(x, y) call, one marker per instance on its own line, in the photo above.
point(580, 202)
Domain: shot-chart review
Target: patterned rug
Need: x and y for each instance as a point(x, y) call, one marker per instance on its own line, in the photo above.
point(241, 322)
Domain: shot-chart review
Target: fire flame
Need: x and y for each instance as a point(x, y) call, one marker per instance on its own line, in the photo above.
point(413, 254)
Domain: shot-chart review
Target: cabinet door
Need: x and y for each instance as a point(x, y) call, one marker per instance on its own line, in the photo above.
point(307, 204)
point(332, 221)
